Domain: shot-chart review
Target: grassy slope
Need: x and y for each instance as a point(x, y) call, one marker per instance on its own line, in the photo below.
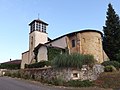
point(108, 80)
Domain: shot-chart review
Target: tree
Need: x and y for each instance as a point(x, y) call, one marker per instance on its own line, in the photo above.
point(111, 38)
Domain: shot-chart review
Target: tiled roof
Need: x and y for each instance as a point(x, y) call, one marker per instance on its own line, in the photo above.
point(81, 31)
point(13, 62)
point(38, 20)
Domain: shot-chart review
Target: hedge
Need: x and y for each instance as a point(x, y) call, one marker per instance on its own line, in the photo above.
point(38, 64)
point(113, 63)
point(9, 66)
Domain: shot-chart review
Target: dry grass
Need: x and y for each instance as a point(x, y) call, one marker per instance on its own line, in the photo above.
point(109, 80)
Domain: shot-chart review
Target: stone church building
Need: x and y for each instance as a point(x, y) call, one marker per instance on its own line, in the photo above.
point(83, 42)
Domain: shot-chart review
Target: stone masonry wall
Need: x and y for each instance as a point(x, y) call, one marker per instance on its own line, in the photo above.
point(66, 74)
point(91, 43)
point(87, 43)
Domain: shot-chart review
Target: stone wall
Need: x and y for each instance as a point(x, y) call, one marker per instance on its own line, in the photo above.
point(91, 43)
point(42, 53)
point(2, 72)
point(87, 42)
point(25, 59)
point(66, 74)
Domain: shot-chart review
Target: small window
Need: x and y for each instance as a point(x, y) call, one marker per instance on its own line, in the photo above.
point(43, 28)
point(31, 42)
point(84, 40)
point(33, 27)
point(99, 40)
point(36, 26)
point(75, 75)
point(30, 28)
point(39, 26)
point(73, 43)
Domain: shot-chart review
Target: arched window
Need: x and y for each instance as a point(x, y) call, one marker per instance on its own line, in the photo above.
point(31, 42)
point(98, 40)
point(84, 40)
point(73, 43)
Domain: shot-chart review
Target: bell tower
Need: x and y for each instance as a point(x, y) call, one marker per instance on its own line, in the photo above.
point(37, 35)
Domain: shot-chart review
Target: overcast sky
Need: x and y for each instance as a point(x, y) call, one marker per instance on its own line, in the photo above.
point(63, 16)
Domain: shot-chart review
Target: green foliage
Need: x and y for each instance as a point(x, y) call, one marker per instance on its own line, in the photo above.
point(13, 74)
point(118, 56)
point(88, 60)
point(78, 83)
point(26, 76)
point(111, 38)
point(56, 81)
point(38, 64)
point(7, 74)
point(53, 52)
point(9, 66)
point(72, 83)
point(73, 60)
point(19, 74)
point(35, 53)
point(113, 63)
point(109, 68)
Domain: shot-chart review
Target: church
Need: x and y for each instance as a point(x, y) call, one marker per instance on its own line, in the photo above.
point(83, 42)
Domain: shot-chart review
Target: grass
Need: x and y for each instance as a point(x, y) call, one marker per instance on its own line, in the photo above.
point(79, 83)
point(72, 60)
point(108, 80)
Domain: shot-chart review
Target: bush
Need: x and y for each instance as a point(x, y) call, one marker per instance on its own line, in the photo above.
point(88, 60)
point(26, 76)
point(53, 52)
point(113, 63)
point(7, 74)
point(9, 66)
point(109, 68)
point(56, 81)
point(13, 74)
point(78, 83)
point(73, 60)
point(38, 64)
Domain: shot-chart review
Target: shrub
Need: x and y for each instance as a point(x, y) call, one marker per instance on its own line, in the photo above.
point(113, 63)
point(88, 60)
point(109, 68)
point(53, 52)
point(26, 76)
point(13, 74)
point(7, 74)
point(56, 81)
point(73, 60)
point(9, 66)
point(78, 83)
point(38, 64)
point(16, 74)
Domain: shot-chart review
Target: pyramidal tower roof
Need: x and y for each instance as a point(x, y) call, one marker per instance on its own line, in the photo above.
point(38, 20)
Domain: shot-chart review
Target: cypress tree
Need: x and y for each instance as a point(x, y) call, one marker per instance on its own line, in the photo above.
point(111, 38)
